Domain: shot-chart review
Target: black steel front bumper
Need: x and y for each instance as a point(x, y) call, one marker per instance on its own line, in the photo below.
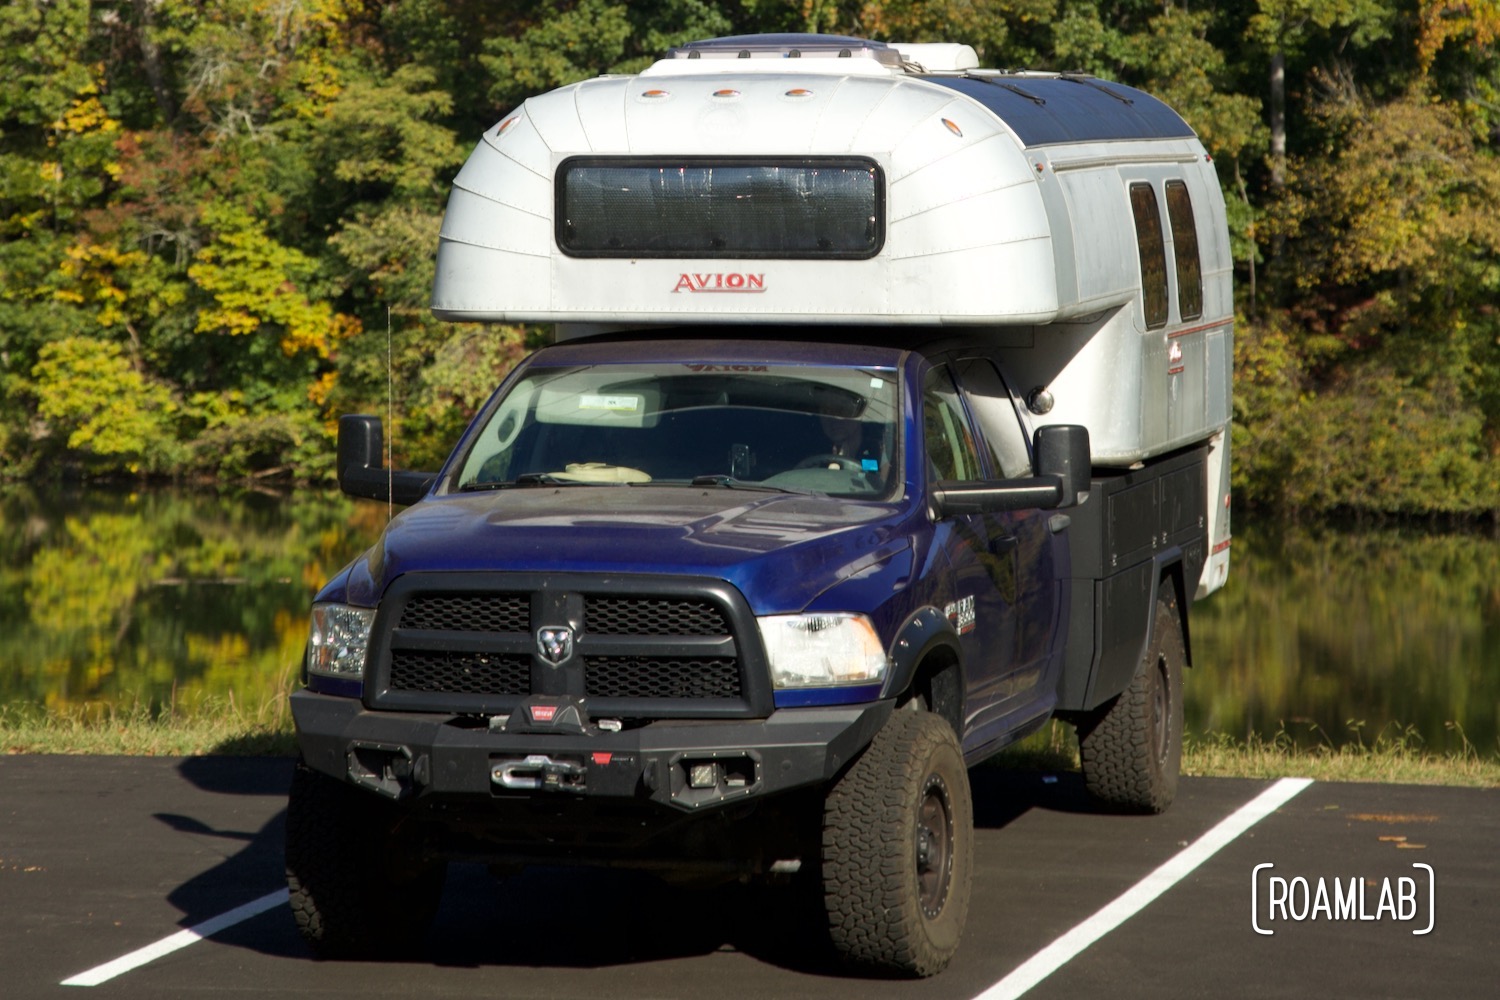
point(690, 765)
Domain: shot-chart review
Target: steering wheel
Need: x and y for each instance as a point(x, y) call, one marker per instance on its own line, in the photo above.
point(843, 462)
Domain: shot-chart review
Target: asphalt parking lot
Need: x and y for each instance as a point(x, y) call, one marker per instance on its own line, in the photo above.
point(116, 875)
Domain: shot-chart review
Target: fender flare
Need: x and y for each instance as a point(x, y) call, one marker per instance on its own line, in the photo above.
point(924, 631)
point(1168, 566)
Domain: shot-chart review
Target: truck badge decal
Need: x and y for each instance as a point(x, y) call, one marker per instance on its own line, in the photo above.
point(543, 713)
point(961, 615)
point(555, 644)
point(720, 282)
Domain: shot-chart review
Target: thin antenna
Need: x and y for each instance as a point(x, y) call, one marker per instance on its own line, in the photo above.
point(390, 423)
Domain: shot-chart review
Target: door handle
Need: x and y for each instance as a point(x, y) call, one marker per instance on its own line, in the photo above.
point(1004, 544)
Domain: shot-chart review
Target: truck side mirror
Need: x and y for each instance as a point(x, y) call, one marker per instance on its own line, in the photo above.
point(361, 466)
point(1063, 467)
point(1062, 450)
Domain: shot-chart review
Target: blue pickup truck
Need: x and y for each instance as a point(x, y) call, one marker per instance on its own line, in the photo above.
point(734, 597)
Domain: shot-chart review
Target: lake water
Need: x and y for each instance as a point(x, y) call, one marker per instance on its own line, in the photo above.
point(164, 598)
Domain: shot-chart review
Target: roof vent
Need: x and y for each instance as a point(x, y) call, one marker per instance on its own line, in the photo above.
point(938, 57)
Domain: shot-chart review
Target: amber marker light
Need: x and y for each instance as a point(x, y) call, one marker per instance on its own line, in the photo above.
point(506, 125)
point(655, 95)
point(799, 92)
point(954, 128)
point(726, 93)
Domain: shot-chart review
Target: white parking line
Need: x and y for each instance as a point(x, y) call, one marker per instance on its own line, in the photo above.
point(1133, 900)
point(167, 945)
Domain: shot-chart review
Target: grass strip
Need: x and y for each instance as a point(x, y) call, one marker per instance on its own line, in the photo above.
point(139, 731)
point(1396, 756)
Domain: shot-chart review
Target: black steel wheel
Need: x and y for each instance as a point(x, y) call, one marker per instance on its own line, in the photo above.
point(898, 849)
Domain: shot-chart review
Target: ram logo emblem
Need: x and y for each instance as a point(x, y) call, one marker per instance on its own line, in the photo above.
point(555, 644)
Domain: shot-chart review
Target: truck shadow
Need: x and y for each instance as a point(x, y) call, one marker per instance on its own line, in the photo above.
point(555, 917)
point(1003, 795)
point(252, 851)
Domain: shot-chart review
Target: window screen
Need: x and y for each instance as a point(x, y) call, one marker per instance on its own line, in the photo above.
point(1153, 252)
point(719, 208)
point(1185, 248)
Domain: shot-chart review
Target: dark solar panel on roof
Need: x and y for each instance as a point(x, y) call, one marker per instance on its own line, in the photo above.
point(1047, 110)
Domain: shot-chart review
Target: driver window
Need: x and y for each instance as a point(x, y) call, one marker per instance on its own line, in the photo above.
point(951, 453)
point(995, 412)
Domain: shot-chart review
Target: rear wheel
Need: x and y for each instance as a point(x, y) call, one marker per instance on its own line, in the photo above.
point(1131, 749)
point(898, 847)
point(360, 886)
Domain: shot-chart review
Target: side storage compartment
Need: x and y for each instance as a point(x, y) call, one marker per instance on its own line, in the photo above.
point(1141, 530)
point(1139, 546)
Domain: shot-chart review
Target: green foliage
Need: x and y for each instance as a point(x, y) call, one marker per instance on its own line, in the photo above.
point(104, 406)
point(212, 212)
point(557, 44)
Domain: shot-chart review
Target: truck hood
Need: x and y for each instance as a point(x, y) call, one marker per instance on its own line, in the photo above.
point(780, 550)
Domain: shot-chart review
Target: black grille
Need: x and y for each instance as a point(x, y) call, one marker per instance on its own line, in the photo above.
point(661, 677)
point(460, 673)
point(645, 616)
point(469, 613)
point(644, 647)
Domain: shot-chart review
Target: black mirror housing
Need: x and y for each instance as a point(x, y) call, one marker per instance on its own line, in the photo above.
point(1063, 469)
point(361, 465)
point(1062, 450)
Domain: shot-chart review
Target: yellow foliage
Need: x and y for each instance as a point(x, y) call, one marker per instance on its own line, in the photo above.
point(85, 115)
point(255, 284)
point(221, 649)
point(1476, 23)
point(91, 269)
point(318, 392)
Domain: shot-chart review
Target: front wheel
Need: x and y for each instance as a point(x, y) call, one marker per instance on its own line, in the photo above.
point(360, 886)
point(898, 836)
point(1131, 748)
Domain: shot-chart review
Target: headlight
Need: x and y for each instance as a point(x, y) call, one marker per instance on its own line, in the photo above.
point(340, 636)
point(822, 650)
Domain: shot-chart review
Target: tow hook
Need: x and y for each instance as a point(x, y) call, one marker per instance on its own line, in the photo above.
point(538, 771)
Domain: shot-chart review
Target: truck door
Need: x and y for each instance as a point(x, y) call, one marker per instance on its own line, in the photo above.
point(1039, 554)
point(980, 598)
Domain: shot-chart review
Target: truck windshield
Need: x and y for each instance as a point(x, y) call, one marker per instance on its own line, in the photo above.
point(788, 427)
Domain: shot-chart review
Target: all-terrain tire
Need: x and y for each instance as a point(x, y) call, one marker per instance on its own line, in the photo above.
point(898, 838)
point(1131, 748)
point(360, 886)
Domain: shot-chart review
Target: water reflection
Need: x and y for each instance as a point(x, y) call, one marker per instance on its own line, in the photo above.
point(1334, 635)
point(162, 598)
point(125, 599)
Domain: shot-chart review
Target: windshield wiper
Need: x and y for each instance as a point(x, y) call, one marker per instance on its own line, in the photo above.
point(524, 479)
point(729, 482)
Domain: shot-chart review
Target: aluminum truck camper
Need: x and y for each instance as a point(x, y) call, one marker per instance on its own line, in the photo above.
point(886, 419)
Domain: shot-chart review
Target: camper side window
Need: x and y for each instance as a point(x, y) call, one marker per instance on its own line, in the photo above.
point(1185, 249)
point(1153, 251)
